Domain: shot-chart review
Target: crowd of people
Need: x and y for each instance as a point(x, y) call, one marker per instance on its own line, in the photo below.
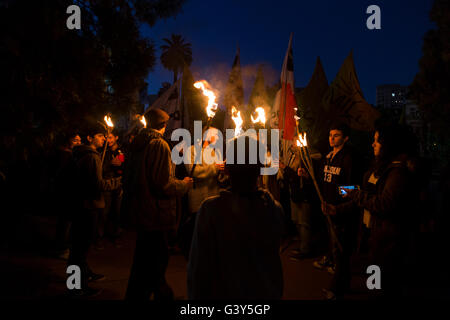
point(230, 222)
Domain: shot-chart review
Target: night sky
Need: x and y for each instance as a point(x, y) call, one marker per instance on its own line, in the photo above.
point(329, 29)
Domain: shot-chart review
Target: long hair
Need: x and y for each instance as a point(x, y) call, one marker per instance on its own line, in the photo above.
point(395, 140)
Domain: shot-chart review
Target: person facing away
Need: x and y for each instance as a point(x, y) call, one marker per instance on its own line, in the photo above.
point(150, 191)
point(90, 186)
point(236, 241)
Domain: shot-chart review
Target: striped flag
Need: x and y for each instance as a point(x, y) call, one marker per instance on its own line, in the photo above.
point(284, 108)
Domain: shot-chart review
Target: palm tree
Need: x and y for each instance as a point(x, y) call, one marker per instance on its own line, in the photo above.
point(176, 53)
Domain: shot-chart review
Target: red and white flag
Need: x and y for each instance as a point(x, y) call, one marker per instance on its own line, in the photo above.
point(284, 108)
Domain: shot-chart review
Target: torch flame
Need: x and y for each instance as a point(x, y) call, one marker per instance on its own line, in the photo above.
point(211, 108)
point(108, 121)
point(302, 140)
point(236, 116)
point(261, 116)
point(144, 122)
point(299, 144)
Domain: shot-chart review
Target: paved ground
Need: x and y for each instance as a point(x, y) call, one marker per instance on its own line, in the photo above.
point(30, 271)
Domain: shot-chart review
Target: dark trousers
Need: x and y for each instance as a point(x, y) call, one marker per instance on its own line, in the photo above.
point(110, 217)
point(342, 276)
point(346, 232)
point(82, 233)
point(147, 276)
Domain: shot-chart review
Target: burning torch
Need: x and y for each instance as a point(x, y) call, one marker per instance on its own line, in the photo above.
point(109, 125)
point(305, 157)
point(211, 108)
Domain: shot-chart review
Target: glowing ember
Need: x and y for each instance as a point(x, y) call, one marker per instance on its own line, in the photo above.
point(261, 116)
point(211, 108)
point(236, 116)
point(143, 121)
point(108, 121)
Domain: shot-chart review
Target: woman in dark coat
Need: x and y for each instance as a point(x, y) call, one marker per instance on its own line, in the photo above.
point(389, 201)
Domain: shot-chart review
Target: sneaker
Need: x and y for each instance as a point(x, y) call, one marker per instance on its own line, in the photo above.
point(329, 295)
point(96, 277)
point(323, 263)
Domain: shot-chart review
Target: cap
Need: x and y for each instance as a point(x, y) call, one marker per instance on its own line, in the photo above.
point(157, 117)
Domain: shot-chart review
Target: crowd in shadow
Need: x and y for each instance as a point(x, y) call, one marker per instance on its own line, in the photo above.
point(230, 222)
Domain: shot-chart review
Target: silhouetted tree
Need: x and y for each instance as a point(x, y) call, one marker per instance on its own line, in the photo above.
point(176, 53)
point(430, 87)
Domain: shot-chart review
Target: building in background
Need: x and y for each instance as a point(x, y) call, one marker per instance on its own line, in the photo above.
point(414, 119)
point(392, 98)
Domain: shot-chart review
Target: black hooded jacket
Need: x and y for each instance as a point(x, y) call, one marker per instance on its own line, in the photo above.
point(89, 180)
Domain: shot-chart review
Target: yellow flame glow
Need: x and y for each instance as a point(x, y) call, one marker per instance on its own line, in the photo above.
point(302, 140)
point(261, 116)
point(236, 116)
point(108, 121)
point(143, 121)
point(211, 108)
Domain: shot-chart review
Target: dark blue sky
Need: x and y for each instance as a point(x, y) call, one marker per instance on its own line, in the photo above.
point(329, 29)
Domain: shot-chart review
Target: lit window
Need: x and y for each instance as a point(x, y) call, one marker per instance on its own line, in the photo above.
point(393, 94)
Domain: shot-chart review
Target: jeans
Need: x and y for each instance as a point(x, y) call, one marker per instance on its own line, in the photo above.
point(301, 215)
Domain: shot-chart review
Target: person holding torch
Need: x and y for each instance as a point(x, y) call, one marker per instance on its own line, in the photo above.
point(89, 186)
point(339, 169)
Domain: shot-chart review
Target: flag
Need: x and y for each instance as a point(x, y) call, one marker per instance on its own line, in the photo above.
point(285, 104)
point(313, 118)
point(345, 102)
point(234, 91)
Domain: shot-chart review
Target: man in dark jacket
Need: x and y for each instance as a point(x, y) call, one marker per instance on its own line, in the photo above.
point(339, 169)
point(150, 191)
point(112, 168)
point(89, 185)
point(63, 171)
